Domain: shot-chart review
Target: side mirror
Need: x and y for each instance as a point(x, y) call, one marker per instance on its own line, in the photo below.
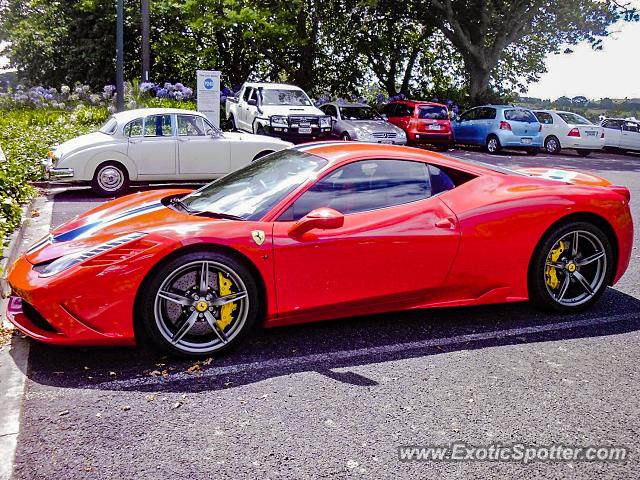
point(253, 102)
point(322, 218)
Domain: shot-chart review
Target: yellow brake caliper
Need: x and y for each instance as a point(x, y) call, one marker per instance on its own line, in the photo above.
point(551, 273)
point(226, 311)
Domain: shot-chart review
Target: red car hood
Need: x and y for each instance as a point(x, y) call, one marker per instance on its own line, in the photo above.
point(140, 212)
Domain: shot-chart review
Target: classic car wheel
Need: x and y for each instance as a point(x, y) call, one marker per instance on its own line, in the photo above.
point(571, 268)
point(552, 145)
point(199, 304)
point(584, 153)
point(110, 179)
point(493, 144)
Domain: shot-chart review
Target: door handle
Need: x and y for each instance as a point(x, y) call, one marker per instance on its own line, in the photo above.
point(449, 223)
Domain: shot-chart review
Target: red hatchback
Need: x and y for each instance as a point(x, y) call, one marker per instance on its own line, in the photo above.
point(424, 122)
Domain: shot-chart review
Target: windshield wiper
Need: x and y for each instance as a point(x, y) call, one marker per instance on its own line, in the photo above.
point(227, 216)
point(177, 202)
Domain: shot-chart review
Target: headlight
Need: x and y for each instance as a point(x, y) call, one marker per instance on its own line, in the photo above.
point(325, 122)
point(362, 134)
point(68, 261)
point(280, 120)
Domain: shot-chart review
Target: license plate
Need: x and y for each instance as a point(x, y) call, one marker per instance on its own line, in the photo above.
point(591, 133)
point(386, 141)
point(526, 141)
point(434, 127)
point(304, 130)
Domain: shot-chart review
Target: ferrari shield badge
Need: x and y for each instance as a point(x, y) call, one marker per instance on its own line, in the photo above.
point(258, 236)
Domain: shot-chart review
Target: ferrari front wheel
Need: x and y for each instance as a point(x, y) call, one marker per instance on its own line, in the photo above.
point(571, 268)
point(199, 304)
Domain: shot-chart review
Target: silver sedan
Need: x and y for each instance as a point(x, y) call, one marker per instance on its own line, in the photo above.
point(356, 121)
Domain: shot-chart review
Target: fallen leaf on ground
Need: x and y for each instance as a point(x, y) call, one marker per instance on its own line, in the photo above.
point(63, 413)
point(151, 398)
point(178, 404)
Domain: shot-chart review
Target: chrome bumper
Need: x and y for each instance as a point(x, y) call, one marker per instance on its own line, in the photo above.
point(55, 173)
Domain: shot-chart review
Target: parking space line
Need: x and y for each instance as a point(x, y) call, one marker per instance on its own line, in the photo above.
point(359, 352)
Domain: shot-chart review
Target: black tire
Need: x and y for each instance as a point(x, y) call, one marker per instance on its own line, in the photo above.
point(232, 121)
point(533, 151)
point(552, 145)
point(260, 130)
point(158, 314)
point(541, 284)
point(345, 137)
point(110, 179)
point(492, 145)
point(442, 148)
point(584, 153)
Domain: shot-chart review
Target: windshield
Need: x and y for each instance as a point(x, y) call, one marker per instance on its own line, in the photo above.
point(433, 112)
point(285, 97)
point(249, 193)
point(109, 126)
point(359, 113)
point(574, 119)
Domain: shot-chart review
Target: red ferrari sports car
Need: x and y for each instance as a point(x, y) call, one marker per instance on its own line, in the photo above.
point(315, 232)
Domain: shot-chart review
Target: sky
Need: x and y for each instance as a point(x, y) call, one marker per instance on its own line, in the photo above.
point(612, 72)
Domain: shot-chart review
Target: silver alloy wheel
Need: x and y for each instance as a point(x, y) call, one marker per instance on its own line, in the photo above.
point(552, 145)
point(110, 178)
point(582, 267)
point(492, 145)
point(188, 307)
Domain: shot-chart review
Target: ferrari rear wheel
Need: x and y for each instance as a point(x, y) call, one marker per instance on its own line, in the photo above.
point(571, 268)
point(200, 304)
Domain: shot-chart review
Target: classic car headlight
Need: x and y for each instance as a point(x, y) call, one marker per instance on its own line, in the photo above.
point(280, 120)
point(362, 134)
point(64, 263)
point(324, 122)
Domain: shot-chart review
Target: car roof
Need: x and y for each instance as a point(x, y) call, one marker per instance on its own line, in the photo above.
point(341, 104)
point(419, 102)
point(272, 85)
point(128, 115)
point(339, 151)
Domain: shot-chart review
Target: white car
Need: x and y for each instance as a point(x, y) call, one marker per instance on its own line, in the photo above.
point(277, 109)
point(154, 144)
point(621, 133)
point(568, 130)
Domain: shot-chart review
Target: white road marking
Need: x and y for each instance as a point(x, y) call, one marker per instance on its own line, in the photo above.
point(359, 352)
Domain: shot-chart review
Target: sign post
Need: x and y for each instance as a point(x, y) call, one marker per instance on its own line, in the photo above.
point(209, 95)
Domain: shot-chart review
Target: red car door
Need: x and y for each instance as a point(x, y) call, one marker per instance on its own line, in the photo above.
point(396, 244)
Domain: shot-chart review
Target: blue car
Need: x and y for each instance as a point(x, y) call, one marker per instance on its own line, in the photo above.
point(499, 126)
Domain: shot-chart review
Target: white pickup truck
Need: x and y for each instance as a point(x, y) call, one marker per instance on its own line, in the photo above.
point(278, 110)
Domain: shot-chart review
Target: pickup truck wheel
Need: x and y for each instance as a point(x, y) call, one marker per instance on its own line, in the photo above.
point(345, 136)
point(260, 130)
point(232, 121)
point(110, 179)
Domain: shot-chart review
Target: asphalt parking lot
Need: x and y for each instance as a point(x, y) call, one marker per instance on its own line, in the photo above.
point(336, 399)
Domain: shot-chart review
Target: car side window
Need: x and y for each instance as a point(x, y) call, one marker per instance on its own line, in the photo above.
point(246, 93)
point(489, 113)
point(519, 115)
point(363, 186)
point(134, 128)
point(405, 110)
point(330, 110)
point(157, 126)
point(630, 127)
point(191, 126)
point(469, 115)
point(613, 124)
point(544, 118)
point(389, 110)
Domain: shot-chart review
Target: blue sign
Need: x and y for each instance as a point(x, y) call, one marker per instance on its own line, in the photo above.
point(208, 83)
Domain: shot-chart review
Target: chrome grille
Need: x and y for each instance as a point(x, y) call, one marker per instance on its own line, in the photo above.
point(384, 135)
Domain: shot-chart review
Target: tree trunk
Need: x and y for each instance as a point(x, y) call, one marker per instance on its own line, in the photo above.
point(479, 77)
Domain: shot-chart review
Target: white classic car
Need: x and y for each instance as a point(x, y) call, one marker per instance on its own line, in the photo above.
point(154, 144)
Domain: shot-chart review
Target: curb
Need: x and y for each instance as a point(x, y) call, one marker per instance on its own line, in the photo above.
point(13, 250)
point(14, 358)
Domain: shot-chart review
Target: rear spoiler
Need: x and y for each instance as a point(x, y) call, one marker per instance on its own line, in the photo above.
point(576, 178)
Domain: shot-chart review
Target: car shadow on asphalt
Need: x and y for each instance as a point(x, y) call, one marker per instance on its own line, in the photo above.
point(605, 161)
point(330, 347)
